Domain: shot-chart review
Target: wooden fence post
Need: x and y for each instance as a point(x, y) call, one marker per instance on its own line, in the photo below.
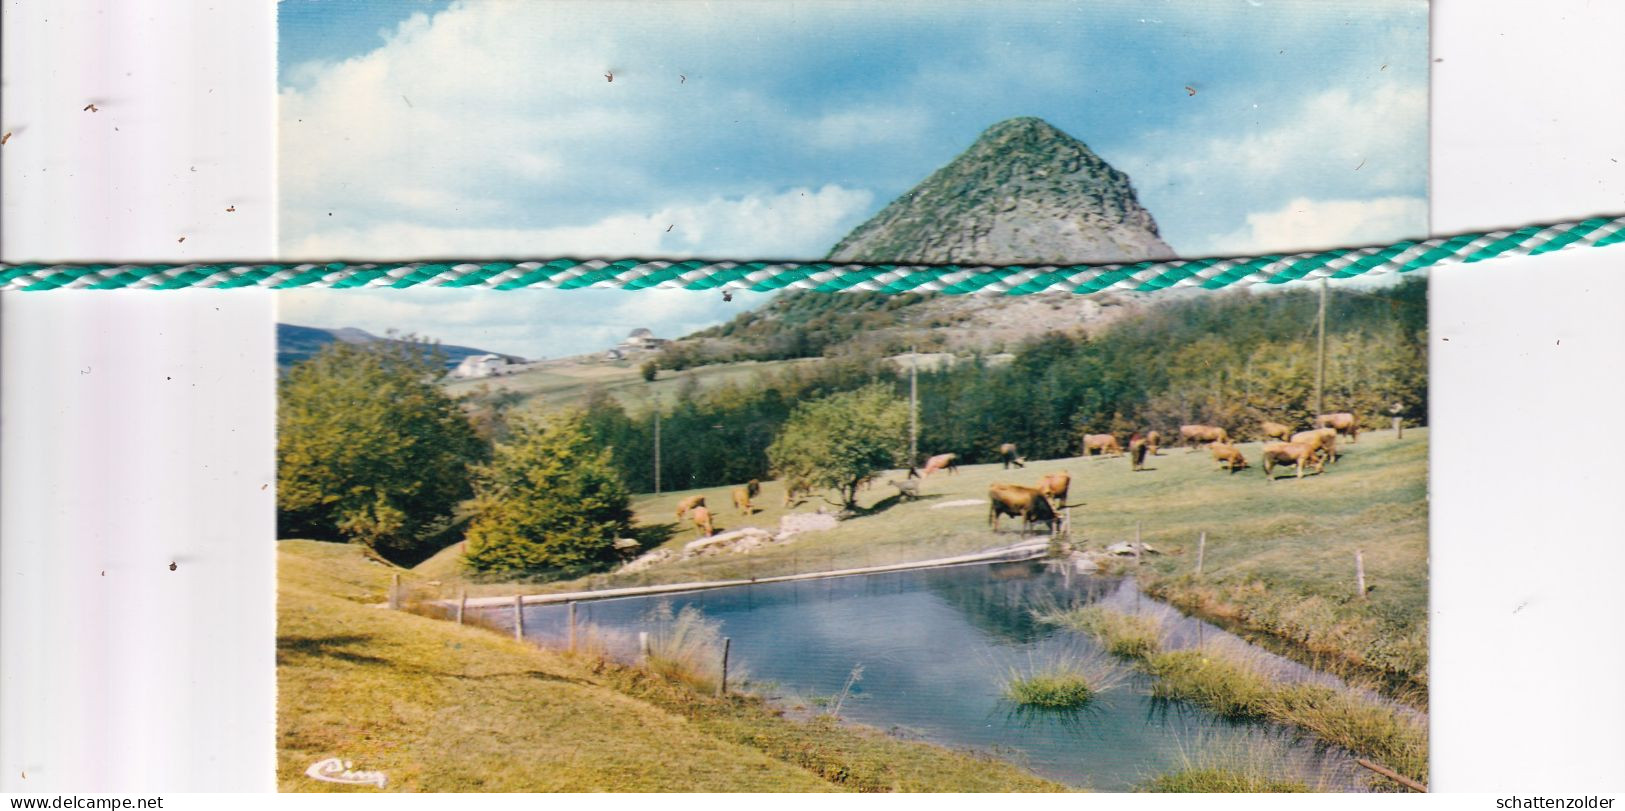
point(1359, 573)
point(1201, 551)
point(395, 592)
point(462, 605)
point(722, 683)
point(518, 618)
point(572, 626)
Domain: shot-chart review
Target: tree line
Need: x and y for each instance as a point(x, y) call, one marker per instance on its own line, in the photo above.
point(1231, 359)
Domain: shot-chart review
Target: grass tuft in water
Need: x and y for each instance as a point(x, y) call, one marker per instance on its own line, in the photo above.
point(1230, 683)
point(1132, 636)
point(1065, 682)
point(1054, 690)
point(1254, 764)
point(1227, 683)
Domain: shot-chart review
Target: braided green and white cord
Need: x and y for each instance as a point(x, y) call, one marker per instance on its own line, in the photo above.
point(637, 274)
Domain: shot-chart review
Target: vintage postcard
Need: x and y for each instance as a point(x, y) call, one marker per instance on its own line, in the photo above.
point(669, 540)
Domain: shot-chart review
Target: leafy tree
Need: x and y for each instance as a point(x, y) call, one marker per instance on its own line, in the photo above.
point(488, 408)
point(548, 502)
point(650, 370)
point(841, 440)
point(370, 450)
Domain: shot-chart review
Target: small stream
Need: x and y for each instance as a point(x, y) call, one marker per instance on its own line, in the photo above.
point(936, 647)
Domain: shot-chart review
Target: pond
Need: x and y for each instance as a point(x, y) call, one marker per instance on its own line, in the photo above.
point(936, 648)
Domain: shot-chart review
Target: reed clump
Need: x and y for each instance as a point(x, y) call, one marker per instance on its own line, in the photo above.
point(1229, 683)
point(1063, 682)
point(1254, 763)
point(686, 646)
point(1132, 636)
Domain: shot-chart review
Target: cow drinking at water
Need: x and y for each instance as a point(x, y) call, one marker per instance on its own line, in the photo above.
point(1019, 501)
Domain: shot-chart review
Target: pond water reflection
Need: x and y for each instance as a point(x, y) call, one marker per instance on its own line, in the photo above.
point(936, 648)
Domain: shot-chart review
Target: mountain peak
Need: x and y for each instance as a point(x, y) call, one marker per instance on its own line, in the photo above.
point(1022, 124)
point(1024, 193)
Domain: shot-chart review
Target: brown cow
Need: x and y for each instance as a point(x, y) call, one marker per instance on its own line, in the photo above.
point(1007, 452)
point(1101, 445)
point(1275, 430)
point(743, 495)
point(942, 461)
point(688, 504)
point(796, 488)
point(1138, 447)
point(1228, 456)
point(1019, 501)
point(702, 521)
point(1345, 423)
point(1192, 435)
point(1054, 486)
point(1323, 440)
point(1291, 453)
point(1153, 440)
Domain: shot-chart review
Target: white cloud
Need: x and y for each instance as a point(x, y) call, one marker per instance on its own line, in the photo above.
point(491, 127)
point(1308, 225)
point(863, 126)
point(1336, 138)
point(1336, 145)
point(799, 223)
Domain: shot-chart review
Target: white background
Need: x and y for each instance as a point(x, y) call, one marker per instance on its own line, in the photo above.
point(136, 427)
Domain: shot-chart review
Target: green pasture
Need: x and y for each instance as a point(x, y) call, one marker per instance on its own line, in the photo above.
point(1279, 556)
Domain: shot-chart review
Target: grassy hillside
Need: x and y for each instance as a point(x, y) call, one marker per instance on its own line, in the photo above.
point(566, 383)
point(1279, 556)
point(442, 707)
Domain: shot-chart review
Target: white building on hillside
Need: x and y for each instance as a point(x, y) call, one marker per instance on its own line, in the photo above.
point(643, 338)
point(475, 366)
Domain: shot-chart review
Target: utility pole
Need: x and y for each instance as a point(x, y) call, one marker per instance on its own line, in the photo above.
point(913, 407)
point(1320, 360)
point(657, 446)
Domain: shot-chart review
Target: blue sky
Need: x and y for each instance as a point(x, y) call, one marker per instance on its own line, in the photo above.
point(768, 130)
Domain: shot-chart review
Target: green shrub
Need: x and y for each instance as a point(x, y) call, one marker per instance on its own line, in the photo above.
point(548, 502)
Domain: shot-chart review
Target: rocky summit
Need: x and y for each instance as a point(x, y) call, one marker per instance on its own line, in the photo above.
point(1023, 193)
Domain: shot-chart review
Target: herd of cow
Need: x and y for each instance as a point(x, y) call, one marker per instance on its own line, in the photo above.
point(1045, 502)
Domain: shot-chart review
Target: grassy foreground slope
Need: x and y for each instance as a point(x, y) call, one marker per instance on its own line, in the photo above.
point(1279, 556)
point(442, 707)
